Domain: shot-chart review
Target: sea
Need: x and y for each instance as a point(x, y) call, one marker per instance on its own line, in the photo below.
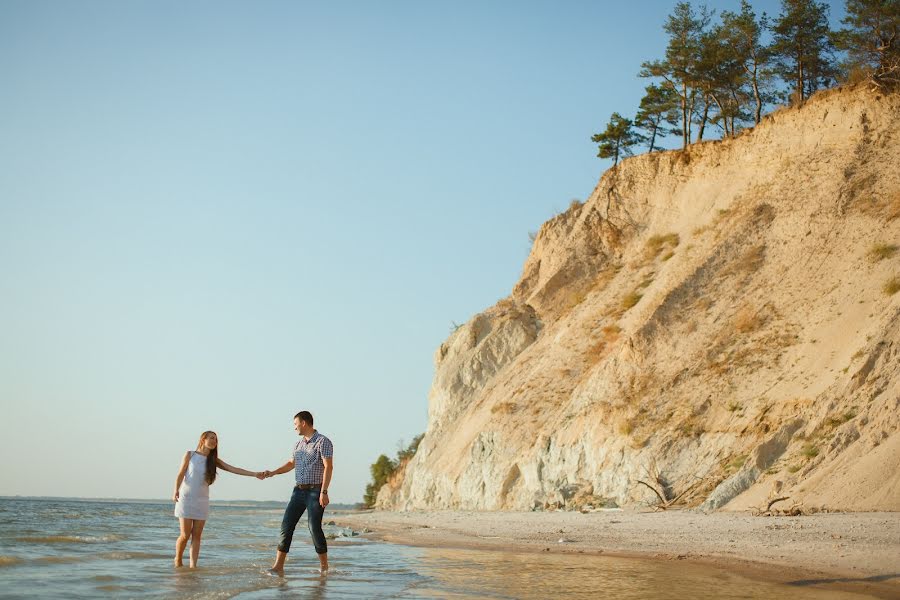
point(73, 548)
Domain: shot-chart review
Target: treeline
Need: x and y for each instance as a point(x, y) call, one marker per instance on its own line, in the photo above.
point(384, 467)
point(722, 74)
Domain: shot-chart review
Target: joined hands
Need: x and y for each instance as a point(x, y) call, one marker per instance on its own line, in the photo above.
point(263, 475)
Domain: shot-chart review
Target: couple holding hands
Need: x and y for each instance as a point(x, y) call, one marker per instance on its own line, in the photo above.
point(311, 461)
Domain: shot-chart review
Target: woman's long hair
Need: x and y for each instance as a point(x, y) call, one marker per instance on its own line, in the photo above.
point(211, 458)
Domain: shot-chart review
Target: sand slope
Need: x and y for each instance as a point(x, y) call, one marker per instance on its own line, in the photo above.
point(719, 323)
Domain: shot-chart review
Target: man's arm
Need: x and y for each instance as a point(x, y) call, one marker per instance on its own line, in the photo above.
point(286, 467)
point(326, 479)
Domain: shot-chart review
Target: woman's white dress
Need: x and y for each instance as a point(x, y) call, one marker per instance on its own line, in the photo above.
point(193, 496)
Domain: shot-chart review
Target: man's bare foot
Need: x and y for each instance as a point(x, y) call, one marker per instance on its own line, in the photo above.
point(275, 572)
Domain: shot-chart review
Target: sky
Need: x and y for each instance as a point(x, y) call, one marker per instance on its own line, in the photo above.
point(214, 215)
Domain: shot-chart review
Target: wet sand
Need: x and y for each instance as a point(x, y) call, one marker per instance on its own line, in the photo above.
point(857, 552)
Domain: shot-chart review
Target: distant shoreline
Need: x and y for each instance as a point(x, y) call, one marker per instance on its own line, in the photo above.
point(854, 552)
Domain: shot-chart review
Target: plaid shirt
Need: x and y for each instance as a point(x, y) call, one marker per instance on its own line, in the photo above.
point(307, 457)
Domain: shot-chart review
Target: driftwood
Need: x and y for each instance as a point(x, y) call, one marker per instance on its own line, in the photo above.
point(771, 502)
point(663, 502)
point(655, 491)
point(662, 489)
point(795, 510)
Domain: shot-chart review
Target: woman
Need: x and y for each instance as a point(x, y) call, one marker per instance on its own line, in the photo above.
point(197, 473)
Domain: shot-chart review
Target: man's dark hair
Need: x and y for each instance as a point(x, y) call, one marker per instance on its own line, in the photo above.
point(305, 415)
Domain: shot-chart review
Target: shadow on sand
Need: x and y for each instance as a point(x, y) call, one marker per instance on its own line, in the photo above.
point(872, 579)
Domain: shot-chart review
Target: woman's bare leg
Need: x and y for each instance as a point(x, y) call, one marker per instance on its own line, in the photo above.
point(196, 533)
point(183, 536)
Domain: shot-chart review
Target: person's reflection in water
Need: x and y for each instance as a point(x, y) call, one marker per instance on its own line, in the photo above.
point(187, 583)
point(312, 588)
point(317, 588)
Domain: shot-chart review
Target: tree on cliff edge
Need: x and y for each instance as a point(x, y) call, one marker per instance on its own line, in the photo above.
point(618, 138)
point(872, 40)
point(658, 114)
point(743, 33)
point(802, 47)
point(678, 71)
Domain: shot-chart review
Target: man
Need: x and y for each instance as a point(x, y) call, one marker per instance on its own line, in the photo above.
point(311, 461)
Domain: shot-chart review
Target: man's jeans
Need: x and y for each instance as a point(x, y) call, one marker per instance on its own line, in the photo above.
point(303, 500)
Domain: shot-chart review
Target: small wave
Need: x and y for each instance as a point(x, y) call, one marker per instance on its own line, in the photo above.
point(61, 559)
point(8, 561)
point(130, 555)
point(70, 539)
point(248, 546)
point(343, 542)
point(112, 588)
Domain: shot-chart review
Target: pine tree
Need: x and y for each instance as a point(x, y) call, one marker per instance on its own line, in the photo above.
point(743, 33)
point(721, 80)
point(618, 139)
point(658, 113)
point(802, 47)
point(872, 39)
point(678, 70)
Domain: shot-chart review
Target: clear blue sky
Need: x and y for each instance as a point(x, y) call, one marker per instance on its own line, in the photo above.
point(216, 214)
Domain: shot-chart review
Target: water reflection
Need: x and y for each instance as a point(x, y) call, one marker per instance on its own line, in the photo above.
point(472, 574)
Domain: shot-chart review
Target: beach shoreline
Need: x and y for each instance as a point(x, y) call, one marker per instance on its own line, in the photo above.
point(854, 552)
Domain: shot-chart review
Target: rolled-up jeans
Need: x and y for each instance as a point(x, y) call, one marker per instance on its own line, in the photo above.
point(308, 501)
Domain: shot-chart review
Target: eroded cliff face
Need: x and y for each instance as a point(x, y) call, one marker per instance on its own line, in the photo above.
point(718, 322)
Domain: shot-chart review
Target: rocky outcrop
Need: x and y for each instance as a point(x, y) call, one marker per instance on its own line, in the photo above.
point(711, 320)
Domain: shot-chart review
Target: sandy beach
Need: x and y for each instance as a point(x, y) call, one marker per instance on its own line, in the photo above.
point(857, 552)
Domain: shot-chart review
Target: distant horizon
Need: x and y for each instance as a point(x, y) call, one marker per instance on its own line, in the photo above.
point(276, 503)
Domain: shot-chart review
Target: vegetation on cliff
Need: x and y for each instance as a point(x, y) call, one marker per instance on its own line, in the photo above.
point(384, 468)
point(724, 74)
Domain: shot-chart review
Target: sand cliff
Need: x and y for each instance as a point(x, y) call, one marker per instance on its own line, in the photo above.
point(717, 322)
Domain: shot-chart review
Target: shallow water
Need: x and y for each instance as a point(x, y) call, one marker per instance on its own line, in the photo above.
point(89, 549)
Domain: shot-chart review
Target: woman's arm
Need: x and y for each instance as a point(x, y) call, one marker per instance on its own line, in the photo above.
point(236, 470)
point(181, 471)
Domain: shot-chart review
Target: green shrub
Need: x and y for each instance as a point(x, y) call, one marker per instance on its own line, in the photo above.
point(384, 468)
point(381, 470)
point(656, 243)
point(810, 451)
